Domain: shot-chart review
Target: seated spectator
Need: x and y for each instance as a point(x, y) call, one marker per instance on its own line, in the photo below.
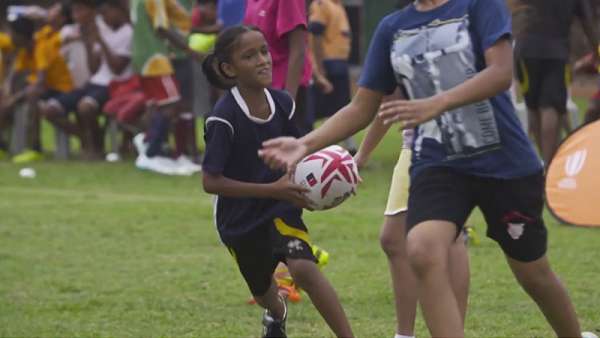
point(6, 51)
point(38, 58)
point(108, 45)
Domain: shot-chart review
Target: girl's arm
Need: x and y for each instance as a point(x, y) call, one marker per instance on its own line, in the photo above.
point(285, 152)
point(297, 43)
point(282, 189)
point(375, 134)
point(495, 78)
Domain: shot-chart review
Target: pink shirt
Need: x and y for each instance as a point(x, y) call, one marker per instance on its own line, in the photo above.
point(276, 18)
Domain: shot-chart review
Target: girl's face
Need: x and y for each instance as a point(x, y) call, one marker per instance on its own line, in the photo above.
point(251, 63)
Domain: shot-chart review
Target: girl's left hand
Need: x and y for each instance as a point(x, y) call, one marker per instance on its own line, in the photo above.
point(411, 113)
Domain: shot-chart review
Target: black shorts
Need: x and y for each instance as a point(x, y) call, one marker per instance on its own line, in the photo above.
point(92, 93)
point(325, 105)
point(544, 83)
point(258, 252)
point(512, 207)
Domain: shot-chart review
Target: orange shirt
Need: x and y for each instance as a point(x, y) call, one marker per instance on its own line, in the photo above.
point(46, 56)
point(337, 34)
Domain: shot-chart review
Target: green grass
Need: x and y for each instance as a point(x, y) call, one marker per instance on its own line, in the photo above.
point(104, 250)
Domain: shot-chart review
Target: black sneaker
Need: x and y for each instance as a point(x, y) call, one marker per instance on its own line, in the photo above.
point(273, 328)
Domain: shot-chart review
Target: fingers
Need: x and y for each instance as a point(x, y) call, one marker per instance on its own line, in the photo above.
point(300, 189)
point(396, 111)
point(301, 201)
point(270, 158)
point(274, 143)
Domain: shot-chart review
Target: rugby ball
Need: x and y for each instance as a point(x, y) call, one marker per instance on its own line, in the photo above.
point(331, 176)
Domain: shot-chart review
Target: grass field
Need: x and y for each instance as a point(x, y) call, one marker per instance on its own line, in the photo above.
point(104, 250)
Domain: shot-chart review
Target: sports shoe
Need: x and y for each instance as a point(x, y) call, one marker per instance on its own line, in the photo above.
point(472, 236)
point(588, 334)
point(321, 255)
point(273, 328)
point(186, 166)
point(140, 144)
point(28, 156)
point(157, 164)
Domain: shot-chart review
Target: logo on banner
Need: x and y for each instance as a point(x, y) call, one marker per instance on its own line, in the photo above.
point(573, 167)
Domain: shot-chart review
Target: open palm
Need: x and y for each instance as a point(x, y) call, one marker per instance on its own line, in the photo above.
point(282, 153)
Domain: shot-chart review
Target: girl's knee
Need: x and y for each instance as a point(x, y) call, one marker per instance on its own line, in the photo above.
point(392, 238)
point(424, 258)
point(304, 272)
point(391, 245)
point(87, 108)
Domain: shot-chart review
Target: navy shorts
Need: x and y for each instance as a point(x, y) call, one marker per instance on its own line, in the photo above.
point(258, 252)
point(512, 207)
point(67, 102)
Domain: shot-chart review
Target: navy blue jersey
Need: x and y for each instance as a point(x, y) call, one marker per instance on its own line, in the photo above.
point(233, 138)
point(428, 52)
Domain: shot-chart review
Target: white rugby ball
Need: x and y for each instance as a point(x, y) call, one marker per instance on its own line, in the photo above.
point(331, 176)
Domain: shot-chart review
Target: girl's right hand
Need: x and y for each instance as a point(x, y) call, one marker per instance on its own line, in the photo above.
point(286, 190)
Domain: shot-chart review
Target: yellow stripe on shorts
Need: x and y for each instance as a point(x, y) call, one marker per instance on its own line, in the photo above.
point(287, 230)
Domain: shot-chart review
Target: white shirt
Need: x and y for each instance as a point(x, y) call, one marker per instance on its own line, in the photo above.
point(75, 55)
point(119, 43)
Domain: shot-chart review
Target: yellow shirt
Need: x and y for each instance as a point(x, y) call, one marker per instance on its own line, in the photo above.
point(46, 56)
point(337, 34)
point(6, 46)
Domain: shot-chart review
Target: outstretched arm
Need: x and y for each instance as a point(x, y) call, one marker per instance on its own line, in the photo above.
point(375, 134)
point(285, 152)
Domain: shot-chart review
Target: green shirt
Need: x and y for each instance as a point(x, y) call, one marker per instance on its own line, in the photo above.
point(151, 54)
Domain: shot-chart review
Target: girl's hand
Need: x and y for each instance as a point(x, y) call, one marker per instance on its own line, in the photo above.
point(411, 113)
point(286, 190)
point(283, 153)
point(361, 161)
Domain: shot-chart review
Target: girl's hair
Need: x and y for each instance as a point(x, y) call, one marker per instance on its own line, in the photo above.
point(224, 48)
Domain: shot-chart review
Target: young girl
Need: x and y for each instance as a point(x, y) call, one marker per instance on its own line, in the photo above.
point(258, 210)
point(393, 233)
point(454, 57)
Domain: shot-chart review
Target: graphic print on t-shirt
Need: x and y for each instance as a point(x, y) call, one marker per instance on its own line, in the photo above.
point(434, 58)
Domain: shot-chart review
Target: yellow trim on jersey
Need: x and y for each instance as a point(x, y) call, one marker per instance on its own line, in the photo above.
point(287, 230)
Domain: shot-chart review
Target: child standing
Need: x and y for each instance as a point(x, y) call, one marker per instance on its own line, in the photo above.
point(258, 210)
point(454, 57)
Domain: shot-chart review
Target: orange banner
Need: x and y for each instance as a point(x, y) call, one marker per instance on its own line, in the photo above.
point(573, 178)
